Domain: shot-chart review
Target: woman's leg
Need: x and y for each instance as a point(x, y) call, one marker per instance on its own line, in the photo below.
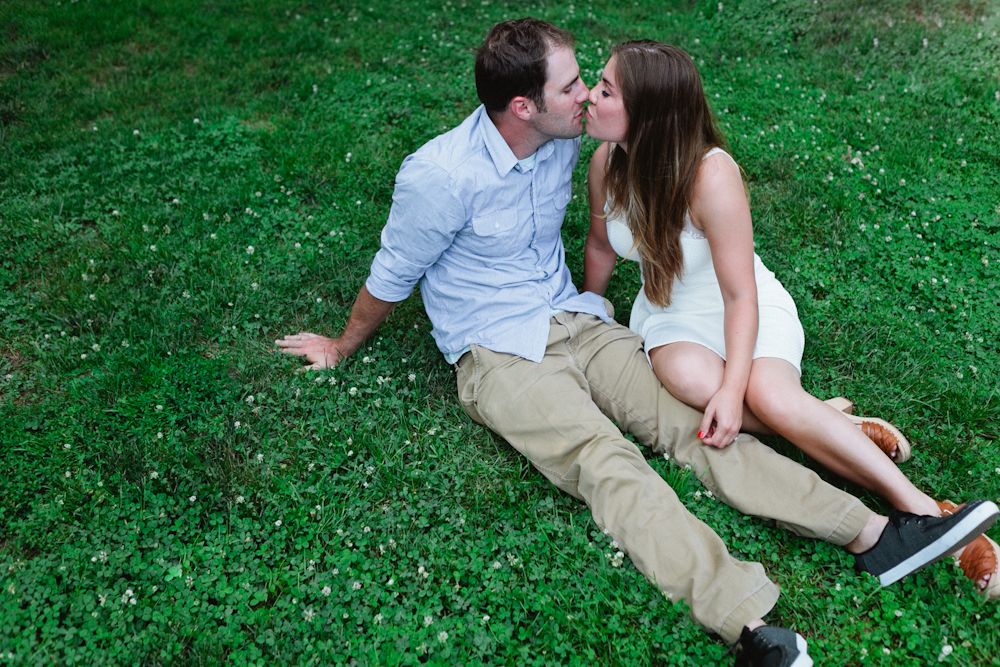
point(775, 395)
point(692, 373)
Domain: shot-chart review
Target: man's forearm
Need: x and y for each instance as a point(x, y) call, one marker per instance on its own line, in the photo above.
point(367, 314)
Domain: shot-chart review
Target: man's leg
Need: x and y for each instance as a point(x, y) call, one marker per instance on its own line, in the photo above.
point(747, 475)
point(546, 412)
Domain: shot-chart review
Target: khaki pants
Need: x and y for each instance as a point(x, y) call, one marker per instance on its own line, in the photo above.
point(561, 414)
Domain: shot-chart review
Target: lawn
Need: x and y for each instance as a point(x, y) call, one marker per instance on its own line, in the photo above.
point(183, 182)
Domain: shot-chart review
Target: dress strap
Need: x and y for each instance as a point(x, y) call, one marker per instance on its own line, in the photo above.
point(715, 150)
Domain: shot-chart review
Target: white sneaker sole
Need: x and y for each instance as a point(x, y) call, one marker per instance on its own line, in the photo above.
point(803, 659)
point(963, 532)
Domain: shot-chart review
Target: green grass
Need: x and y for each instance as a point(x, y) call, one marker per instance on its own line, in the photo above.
point(174, 492)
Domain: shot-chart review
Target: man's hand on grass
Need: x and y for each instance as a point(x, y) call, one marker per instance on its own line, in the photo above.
point(321, 352)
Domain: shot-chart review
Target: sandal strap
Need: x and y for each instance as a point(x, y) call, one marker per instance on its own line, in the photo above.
point(978, 559)
point(881, 436)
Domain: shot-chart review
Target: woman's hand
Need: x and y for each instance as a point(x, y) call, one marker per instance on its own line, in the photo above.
point(723, 418)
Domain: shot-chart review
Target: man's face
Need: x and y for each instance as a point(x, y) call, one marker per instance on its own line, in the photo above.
point(564, 94)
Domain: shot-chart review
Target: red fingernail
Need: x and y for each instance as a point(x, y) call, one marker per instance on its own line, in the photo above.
point(700, 434)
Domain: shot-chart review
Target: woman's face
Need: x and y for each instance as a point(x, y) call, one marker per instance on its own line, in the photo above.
point(606, 118)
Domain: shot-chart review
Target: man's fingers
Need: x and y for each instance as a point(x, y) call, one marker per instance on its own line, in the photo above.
point(294, 338)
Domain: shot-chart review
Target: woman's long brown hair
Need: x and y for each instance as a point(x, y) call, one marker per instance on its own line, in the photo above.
point(670, 127)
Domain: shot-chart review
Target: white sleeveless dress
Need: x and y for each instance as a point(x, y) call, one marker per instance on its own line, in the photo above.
point(696, 311)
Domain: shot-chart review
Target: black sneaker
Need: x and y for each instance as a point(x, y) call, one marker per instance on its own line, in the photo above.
point(910, 541)
point(771, 646)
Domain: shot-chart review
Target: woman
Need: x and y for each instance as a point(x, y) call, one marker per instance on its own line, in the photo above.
point(720, 331)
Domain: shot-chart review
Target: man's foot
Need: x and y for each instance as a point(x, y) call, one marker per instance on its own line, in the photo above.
point(771, 646)
point(978, 559)
point(909, 541)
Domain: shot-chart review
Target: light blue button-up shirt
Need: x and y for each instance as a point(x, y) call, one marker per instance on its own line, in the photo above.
point(482, 239)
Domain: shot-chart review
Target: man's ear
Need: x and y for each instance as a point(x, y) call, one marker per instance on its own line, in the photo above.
point(522, 107)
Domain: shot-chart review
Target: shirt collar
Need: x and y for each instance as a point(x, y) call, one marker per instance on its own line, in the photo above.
point(501, 154)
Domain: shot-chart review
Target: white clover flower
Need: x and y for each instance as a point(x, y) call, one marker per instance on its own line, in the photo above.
point(442, 636)
point(356, 585)
point(250, 249)
point(326, 591)
point(135, 133)
point(277, 524)
point(485, 619)
point(192, 499)
point(378, 618)
point(308, 614)
point(154, 475)
point(240, 500)
point(428, 620)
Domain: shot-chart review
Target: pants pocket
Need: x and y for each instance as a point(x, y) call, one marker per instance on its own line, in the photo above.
point(467, 383)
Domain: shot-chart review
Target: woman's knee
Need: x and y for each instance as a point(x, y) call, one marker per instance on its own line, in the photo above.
point(774, 400)
point(690, 375)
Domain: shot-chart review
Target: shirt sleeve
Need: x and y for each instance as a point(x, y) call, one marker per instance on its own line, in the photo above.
point(424, 218)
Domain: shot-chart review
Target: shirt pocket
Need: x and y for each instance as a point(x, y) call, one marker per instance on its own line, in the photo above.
point(561, 198)
point(495, 223)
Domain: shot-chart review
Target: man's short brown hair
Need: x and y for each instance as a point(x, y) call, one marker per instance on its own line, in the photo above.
point(512, 60)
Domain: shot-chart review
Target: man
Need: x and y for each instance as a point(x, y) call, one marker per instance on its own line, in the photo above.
point(476, 219)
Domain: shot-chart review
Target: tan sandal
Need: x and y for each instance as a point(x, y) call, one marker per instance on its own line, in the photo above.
point(978, 558)
point(842, 404)
point(886, 436)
